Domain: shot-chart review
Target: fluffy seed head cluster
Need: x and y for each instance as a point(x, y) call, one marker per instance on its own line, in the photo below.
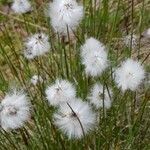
point(65, 13)
point(35, 79)
point(36, 45)
point(146, 33)
point(75, 118)
point(21, 6)
point(61, 91)
point(14, 110)
point(94, 57)
point(100, 97)
point(129, 75)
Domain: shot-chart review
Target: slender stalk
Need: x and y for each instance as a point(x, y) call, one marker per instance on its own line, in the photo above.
point(77, 118)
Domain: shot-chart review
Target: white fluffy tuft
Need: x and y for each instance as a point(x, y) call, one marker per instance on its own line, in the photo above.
point(59, 92)
point(36, 79)
point(67, 120)
point(15, 110)
point(129, 75)
point(100, 98)
point(94, 57)
point(65, 13)
point(21, 6)
point(146, 33)
point(36, 45)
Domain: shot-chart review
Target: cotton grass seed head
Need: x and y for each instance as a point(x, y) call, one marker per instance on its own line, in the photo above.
point(61, 91)
point(65, 13)
point(94, 57)
point(36, 45)
point(36, 79)
point(75, 118)
point(129, 75)
point(100, 96)
point(146, 33)
point(14, 110)
point(21, 6)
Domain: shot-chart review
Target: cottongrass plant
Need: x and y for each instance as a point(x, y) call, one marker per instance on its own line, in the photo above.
point(65, 16)
point(15, 110)
point(21, 6)
point(75, 118)
point(94, 57)
point(146, 33)
point(36, 79)
point(129, 75)
point(100, 97)
point(61, 91)
point(36, 45)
